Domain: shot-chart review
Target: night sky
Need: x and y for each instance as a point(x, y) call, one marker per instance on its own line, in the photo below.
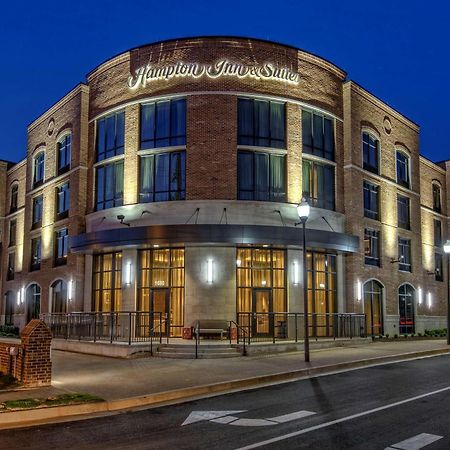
point(398, 50)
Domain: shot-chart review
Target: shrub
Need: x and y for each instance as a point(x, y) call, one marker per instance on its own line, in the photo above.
point(9, 331)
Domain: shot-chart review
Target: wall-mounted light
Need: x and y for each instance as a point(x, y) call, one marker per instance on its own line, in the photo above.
point(70, 290)
point(296, 273)
point(429, 300)
point(209, 271)
point(128, 273)
point(359, 291)
point(18, 297)
point(419, 296)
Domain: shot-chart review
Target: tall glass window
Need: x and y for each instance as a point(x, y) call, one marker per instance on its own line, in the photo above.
point(162, 177)
point(318, 184)
point(9, 308)
point(38, 204)
point(35, 253)
point(437, 206)
point(107, 283)
point(38, 169)
point(14, 194)
point(12, 233)
point(261, 123)
point(437, 233)
point(406, 309)
point(261, 176)
point(61, 246)
point(404, 254)
point(371, 200)
point(109, 186)
point(62, 201)
point(59, 296)
point(163, 124)
point(63, 149)
point(370, 153)
point(373, 307)
point(318, 135)
point(371, 247)
point(110, 136)
point(11, 266)
point(438, 269)
point(402, 169)
point(403, 212)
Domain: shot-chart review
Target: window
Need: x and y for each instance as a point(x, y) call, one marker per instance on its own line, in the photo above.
point(162, 177)
point(59, 296)
point(318, 135)
point(261, 123)
point(163, 124)
point(107, 283)
point(371, 200)
point(404, 254)
point(318, 184)
point(62, 201)
point(14, 194)
point(402, 169)
point(63, 148)
point(373, 307)
point(110, 136)
point(9, 308)
point(437, 233)
point(38, 169)
point(370, 153)
point(33, 302)
point(109, 186)
point(438, 270)
point(437, 198)
point(11, 266)
point(36, 253)
point(12, 233)
point(37, 211)
point(61, 246)
point(406, 308)
point(403, 212)
point(371, 247)
point(261, 176)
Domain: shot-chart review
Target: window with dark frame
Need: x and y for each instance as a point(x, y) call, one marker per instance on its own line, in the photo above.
point(371, 200)
point(14, 194)
point(107, 282)
point(163, 124)
point(371, 247)
point(35, 254)
point(63, 150)
point(162, 177)
point(261, 176)
point(404, 254)
point(38, 169)
point(38, 203)
point(403, 212)
point(11, 266)
point(437, 225)
point(318, 184)
point(12, 233)
point(437, 198)
point(318, 135)
point(370, 153)
point(438, 268)
point(109, 186)
point(61, 246)
point(110, 136)
point(261, 123)
point(402, 169)
point(62, 201)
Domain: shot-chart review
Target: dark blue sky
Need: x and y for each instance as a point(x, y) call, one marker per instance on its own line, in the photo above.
point(398, 50)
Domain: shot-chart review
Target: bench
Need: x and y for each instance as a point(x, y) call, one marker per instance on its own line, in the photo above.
point(210, 327)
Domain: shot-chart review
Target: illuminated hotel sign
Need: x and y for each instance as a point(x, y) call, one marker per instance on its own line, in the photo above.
point(147, 74)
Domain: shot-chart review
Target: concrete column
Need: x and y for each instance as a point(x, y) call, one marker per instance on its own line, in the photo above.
point(294, 263)
point(216, 300)
point(88, 268)
point(340, 288)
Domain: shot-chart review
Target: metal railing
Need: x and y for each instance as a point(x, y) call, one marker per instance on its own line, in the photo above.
point(126, 327)
point(283, 326)
point(241, 335)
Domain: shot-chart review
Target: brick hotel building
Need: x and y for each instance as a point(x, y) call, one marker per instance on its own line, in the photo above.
point(169, 180)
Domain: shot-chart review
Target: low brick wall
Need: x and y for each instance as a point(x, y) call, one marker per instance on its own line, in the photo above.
point(28, 359)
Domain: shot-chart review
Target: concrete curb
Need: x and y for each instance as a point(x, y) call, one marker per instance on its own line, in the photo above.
point(14, 419)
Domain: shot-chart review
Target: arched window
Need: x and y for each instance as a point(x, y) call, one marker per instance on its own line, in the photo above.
point(33, 299)
point(371, 146)
point(59, 296)
point(406, 308)
point(38, 169)
point(9, 308)
point(13, 198)
point(437, 201)
point(403, 176)
point(63, 148)
point(373, 307)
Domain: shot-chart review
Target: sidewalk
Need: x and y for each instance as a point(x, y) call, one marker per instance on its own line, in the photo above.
point(115, 379)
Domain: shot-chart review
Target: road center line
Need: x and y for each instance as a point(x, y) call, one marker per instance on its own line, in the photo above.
point(343, 419)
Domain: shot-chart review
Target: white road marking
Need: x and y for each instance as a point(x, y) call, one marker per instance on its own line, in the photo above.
point(253, 423)
point(293, 416)
point(198, 416)
point(343, 419)
point(225, 420)
point(417, 442)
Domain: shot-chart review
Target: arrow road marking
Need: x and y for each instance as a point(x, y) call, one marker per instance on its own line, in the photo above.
point(416, 442)
point(224, 418)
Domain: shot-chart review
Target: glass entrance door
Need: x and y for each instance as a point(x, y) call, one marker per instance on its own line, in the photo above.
point(261, 307)
point(159, 307)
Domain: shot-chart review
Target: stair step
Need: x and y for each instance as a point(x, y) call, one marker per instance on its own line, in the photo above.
point(200, 355)
point(200, 350)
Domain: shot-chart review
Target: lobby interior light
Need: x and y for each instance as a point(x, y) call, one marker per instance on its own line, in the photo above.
point(303, 210)
point(209, 271)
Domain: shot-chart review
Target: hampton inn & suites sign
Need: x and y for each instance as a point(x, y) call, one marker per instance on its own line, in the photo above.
point(149, 73)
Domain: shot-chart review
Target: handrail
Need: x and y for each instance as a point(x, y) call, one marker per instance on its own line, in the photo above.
point(239, 327)
point(197, 337)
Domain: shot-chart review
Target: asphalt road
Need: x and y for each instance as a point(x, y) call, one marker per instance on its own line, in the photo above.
point(373, 408)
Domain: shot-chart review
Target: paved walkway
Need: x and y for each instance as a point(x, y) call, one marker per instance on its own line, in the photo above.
point(114, 379)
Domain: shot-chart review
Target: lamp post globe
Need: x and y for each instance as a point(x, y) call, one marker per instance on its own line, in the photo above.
point(303, 210)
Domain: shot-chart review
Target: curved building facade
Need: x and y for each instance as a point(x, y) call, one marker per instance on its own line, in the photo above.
point(169, 182)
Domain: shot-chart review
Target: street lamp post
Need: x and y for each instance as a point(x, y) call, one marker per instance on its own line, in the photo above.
point(303, 212)
point(447, 252)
